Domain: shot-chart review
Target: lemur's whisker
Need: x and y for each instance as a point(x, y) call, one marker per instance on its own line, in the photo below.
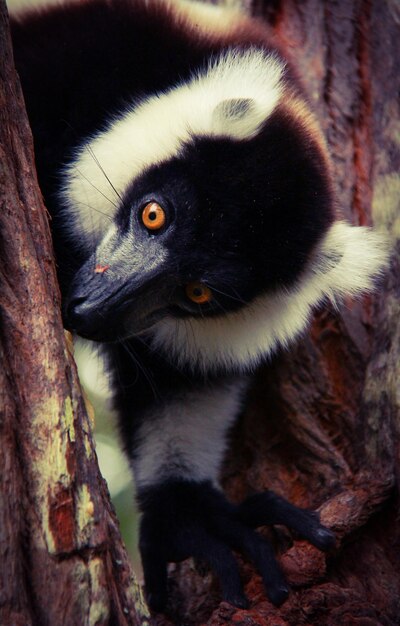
point(227, 295)
point(82, 175)
point(91, 152)
point(96, 210)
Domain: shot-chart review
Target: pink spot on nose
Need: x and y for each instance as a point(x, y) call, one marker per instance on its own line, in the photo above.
point(100, 269)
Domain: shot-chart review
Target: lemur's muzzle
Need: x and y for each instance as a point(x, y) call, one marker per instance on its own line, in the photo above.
point(104, 310)
point(123, 296)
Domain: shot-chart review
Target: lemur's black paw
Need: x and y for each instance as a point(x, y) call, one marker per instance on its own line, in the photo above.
point(185, 519)
point(263, 509)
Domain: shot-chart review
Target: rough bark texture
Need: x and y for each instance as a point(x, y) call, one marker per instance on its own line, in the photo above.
point(322, 423)
point(61, 556)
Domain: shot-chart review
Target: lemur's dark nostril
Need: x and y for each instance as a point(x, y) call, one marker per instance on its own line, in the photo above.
point(76, 312)
point(75, 302)
point(75, 306)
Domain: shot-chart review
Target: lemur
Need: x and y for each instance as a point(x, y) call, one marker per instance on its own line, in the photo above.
point(195, 230)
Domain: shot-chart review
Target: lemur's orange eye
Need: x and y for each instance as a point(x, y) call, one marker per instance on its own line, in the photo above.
point(198, 293)
point(153, 216)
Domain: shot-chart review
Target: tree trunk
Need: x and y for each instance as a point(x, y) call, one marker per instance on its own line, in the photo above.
point(323, 420)
point(322, 423)
point(61, 557)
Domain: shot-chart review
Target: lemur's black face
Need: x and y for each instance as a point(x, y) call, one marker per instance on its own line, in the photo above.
point(205, 233)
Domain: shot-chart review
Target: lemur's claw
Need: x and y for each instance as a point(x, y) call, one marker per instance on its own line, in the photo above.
point(182, 519)
point(324, 539)
point(267, 508)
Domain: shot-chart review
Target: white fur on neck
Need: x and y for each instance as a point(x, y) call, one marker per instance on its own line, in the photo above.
point(345, 263)
point(158, 128)
point(187, 437)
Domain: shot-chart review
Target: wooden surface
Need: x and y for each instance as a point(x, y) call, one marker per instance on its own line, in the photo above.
point(61, 557)
point(322, 422)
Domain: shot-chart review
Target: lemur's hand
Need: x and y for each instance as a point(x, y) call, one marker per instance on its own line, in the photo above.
point(187, 519)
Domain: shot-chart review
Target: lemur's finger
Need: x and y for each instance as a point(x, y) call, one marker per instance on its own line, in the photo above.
point(155, 577)
point(221, 560)
point(260, 552)
point(268, 508)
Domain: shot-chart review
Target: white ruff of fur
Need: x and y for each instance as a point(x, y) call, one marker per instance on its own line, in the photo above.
point(345, 264)
point(186, 437)
point(157, 129)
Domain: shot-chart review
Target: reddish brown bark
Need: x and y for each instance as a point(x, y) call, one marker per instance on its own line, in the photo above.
point(322, 423)
point(61, 556)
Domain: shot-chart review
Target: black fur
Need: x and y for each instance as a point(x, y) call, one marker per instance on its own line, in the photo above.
point(81, 63)
point(185, 519)
point(239, 253)
point(93, 58)
point(243, 216)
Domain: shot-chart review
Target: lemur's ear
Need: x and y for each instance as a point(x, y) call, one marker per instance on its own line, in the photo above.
point(234, 109)
point(240, 117)
point(349, 259)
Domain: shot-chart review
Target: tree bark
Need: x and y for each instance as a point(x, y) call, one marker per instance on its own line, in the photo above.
point(61, 556)
point(323, 420)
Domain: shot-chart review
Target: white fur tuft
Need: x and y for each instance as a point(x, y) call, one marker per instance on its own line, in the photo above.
point(347, 262)
point(350, 258)
point(158, 128)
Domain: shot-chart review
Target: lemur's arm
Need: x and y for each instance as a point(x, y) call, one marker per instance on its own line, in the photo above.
point(176, 431)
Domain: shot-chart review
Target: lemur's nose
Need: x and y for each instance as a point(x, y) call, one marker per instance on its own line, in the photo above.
point(80, 316)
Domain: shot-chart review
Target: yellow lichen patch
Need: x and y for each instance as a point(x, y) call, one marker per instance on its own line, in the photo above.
point(68, 418)
point(90, 508)
point(89, 407)
point(54, 433)
point(88, 446)
point(136, 597)
point(386, 204)
point(99, 610)
point(84, 514)
point(52, 436)
point(69, 340)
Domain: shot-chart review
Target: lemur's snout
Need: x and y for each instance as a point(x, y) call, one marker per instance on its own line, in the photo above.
point(81, 317)
point(117, 301)
point(93, 304)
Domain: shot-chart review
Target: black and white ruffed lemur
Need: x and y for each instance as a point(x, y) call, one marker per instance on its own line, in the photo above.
point(195, 230)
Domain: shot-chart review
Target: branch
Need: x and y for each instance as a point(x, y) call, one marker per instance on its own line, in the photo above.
point(62, 559)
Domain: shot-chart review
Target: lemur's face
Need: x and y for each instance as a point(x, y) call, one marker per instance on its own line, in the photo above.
point(205, 215)
point(204, 234)
point(222, 194)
